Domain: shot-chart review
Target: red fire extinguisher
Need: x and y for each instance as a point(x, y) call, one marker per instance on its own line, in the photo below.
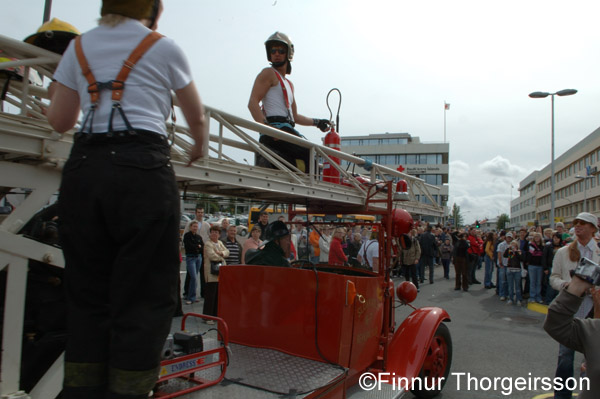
point(332, 140)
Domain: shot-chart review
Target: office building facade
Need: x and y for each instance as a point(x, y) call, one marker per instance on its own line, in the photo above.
point(428, 161)
point(576, 187)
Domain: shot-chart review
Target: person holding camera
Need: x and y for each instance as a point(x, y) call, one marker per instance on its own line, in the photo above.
point(566, 260)
point(582, 335)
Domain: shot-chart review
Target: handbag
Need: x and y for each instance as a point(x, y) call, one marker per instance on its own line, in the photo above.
point(215, 266)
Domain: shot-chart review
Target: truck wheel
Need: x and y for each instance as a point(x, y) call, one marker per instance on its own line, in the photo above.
point(436, 365)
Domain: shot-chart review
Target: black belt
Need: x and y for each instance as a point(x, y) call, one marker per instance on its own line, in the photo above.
point(280, 119)
point(120, 135)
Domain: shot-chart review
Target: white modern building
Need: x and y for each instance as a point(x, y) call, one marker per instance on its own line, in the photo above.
point(576, 186)
point(428, 161)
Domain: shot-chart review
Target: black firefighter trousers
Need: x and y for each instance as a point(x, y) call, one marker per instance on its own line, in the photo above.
point(119, 230)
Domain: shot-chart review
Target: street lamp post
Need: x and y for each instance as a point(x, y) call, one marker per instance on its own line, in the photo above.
point(543, 94)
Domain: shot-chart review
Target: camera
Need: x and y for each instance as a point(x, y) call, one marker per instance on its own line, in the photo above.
point(589, 271)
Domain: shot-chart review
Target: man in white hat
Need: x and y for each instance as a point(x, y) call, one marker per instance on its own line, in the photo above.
point(565, 260)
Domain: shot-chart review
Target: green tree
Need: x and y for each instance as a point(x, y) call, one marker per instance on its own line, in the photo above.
point(502, 221)
point(455, 214)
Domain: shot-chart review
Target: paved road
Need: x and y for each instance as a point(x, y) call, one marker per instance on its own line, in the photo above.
point(490, 340)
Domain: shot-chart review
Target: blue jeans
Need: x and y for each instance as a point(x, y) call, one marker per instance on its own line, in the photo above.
point(193, 263)
point(514, 285)
point(502, 282)
point(535, 282)
point(564, 370)
point(489, 269)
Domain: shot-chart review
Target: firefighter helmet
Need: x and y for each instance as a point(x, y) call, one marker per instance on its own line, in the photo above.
point(279, 37)
point(275, 230)
point(53, 35)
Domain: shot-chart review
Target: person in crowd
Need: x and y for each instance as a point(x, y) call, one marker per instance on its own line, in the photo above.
point(410, 254)
point(499, 240)
point(513, 273)
point(253, 242)
point(301, 234)
point(560, 229)
point(324, 244)
point(224, 228)
point(547, 258)
point(193, 246)
point(234, 247)
point(474, 250)
point(565, 260)
point(574, 333)
point(446, 250)
point(503, 266)
point(313, 239)
point(368, 254)
point(353, 248)
point(336, 252)
point(214, 251)
point(429, 249)
point(460, 259)
point(272, 102)
point(523, 241)
point(276, 250)
point(535, 269)
point(488, 256)
point(121, 247)
point(548, 233)
point(263, 222)
point(480, 246)
point(203, 228)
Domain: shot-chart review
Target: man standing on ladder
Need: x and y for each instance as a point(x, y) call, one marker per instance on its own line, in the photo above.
point(278, 110)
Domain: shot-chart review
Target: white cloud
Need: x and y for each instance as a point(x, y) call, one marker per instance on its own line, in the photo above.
point(500, 166)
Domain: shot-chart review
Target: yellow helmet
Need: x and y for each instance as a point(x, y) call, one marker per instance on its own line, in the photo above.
point(53, 35)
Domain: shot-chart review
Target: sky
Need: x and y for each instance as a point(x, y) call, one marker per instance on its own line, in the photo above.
point(396, 62)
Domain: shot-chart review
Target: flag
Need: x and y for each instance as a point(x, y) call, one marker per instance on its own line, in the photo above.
point(446, 106)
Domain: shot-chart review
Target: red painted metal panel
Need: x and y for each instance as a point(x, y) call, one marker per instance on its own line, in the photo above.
point(274, 307)
point(408, 347)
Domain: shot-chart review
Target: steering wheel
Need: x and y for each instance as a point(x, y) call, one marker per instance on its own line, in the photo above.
point(301, 264)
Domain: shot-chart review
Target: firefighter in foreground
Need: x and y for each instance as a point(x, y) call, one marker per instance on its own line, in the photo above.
point(279, 110)
point(276, 251)
point(119, 202)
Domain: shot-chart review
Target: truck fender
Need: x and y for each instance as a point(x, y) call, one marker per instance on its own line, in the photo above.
point(409, 345)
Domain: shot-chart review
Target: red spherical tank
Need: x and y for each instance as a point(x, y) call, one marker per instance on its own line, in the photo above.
point(406, 292)
point(402, 222)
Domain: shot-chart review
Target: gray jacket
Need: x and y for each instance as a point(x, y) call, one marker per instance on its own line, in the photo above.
point(582, 335)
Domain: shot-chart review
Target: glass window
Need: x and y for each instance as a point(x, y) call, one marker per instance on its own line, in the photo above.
point(387, 159)
point(411, 159)
point(403, 141)
point(401, 159)
point(432, 159)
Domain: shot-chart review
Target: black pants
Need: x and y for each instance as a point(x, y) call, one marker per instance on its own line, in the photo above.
point(119, 230)
point(473, 260)
point(288, 151)
point(211, 299)
point(410, 273)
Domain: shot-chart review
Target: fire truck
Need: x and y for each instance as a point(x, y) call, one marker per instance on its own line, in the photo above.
point(310, 331)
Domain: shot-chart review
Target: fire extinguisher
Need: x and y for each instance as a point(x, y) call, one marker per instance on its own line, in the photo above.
point(333, 140)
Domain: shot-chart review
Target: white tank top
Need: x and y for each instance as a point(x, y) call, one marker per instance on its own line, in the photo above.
point(274, 101)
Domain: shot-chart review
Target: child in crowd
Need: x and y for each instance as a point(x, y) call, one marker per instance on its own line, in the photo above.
point(513, 273)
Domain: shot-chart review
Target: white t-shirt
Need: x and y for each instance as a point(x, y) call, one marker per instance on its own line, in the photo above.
point(147, 94)
point(368, 251)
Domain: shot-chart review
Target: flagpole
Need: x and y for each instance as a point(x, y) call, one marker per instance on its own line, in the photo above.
point(444, 121)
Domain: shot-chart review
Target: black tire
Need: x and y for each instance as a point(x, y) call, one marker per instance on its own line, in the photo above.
point(436, 365)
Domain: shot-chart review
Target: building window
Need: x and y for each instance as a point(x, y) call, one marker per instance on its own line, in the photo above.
point(411, 159)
